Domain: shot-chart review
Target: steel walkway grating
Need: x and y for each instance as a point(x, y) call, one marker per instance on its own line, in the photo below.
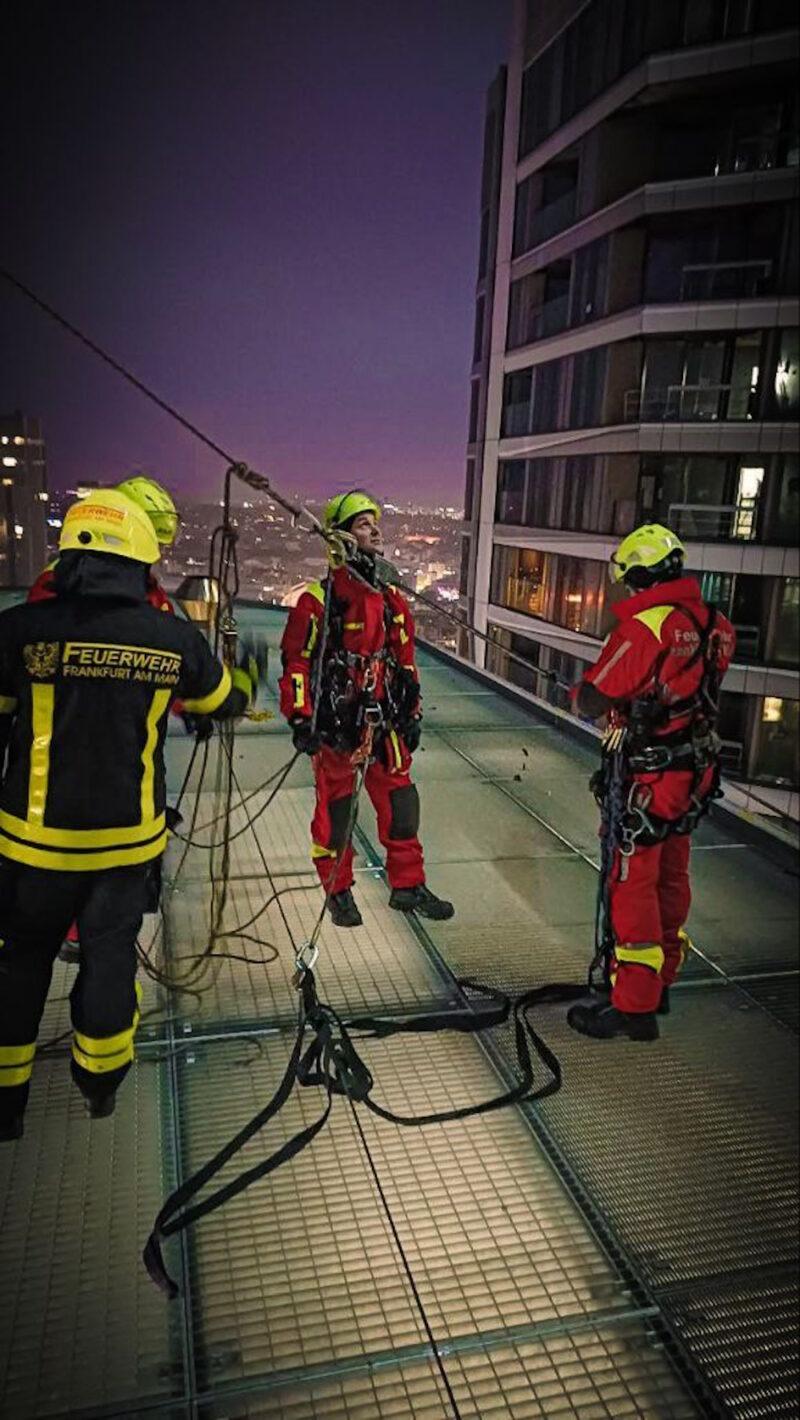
point(746, 1335)
point(607, 1373)
point(302, 1269)
point(80, 1324)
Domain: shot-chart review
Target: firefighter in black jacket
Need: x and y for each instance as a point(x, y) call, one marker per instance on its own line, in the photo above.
point(86, 681)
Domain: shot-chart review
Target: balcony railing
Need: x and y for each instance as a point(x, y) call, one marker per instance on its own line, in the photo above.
point(690, 403)
point(549, 318)
point(707, 522)
point(724, 280)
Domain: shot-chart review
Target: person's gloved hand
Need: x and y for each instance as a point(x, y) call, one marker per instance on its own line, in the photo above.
point(413, 734)
point(200, 725)
point(304, 738)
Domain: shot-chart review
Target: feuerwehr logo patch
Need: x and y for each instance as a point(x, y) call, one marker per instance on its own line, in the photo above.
point(41, 659)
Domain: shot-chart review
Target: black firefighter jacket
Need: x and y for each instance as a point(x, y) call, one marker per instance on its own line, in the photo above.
point(86, 682)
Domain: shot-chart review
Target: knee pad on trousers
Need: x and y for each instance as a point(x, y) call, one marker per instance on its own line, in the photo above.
point(404, 808)
point(339, 811)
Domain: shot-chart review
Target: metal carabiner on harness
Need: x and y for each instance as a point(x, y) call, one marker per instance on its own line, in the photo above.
point(304, 962)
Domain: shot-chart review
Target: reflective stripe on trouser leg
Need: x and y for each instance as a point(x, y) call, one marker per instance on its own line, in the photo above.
point(636, 976)
point(16, 1065)
point(396, 804)
point(100, 1062)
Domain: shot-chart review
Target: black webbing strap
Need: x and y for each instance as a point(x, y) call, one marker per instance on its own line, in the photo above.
point(174, 1215)
point(332, 1061)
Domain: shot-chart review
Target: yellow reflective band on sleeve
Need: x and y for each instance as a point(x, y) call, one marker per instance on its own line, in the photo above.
point(158, 705)
point(354, 626)
point(7, 704)
point(299, 687)
point(42, 706)
point(653, 618)
point(207, 704)
point(648, 954)
point(313, 633)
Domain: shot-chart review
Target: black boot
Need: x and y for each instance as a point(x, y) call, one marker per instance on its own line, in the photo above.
point(663, 1005)
point(343, 909)
point(101, 1108)
point(420, 899)
point(603, 1021)
point(11, 1129)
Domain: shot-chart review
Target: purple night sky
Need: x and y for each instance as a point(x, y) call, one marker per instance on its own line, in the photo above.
point(269, 210)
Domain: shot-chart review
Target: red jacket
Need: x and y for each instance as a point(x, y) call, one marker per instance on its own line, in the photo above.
point(43, 590)
point(652, 650)
point(371, 620)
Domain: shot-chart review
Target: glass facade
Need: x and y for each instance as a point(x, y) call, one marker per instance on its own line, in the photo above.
point(568, 591)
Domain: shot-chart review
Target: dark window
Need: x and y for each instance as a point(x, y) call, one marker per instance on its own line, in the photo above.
point(469, 488)
point(510, 501)
point(540, 486)
point(578, 477)
point(787, 513)
point(475, 393)
point(517, 403)
point(588, 387)
point(786, 650)
point(546, 386)
point(477, 351)
point(463, 580)
point(589, 283)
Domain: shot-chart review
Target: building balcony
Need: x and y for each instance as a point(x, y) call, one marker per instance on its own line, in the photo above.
point(725, 280)
point(689, 403)
point(705, 522)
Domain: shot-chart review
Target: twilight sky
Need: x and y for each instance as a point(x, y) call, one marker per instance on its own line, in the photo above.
point(268, 209)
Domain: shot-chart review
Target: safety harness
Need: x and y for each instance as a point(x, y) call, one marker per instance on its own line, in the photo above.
point(633, 747)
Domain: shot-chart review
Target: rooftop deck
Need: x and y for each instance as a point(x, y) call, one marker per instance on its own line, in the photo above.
point(626, 1248)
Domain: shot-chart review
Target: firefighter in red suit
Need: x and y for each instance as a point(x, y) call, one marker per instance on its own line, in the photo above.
point(357, 662)
point(657, 682)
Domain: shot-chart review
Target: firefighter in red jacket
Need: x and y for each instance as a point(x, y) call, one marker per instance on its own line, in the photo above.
point(657, 681)
point(354, 659)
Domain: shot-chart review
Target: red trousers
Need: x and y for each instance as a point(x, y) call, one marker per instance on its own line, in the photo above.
point(396, 804)
point(650, 896)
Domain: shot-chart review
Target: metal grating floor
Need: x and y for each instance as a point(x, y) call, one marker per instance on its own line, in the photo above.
point(623, 1250)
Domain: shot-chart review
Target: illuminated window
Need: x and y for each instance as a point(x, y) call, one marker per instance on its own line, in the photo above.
point(772, 713)
point(9, 462)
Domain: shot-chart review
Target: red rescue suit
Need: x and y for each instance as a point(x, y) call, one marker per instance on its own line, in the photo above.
point(369, 656)
point(43, 590)
point(655, 654)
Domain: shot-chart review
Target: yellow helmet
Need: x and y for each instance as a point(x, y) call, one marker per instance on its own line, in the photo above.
point(157, 504)
point(646, 548)
point(109, 521)
point(346, 506)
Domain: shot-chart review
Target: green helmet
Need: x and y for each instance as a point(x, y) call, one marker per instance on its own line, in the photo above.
point(341, 510)
point(649, 548)
point(156, 503)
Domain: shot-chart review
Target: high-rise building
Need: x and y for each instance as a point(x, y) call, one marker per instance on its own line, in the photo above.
point(23, 500)
point(636, 339)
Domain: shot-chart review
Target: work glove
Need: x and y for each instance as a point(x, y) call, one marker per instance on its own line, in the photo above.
point(413, 734)
point(202, 726)
point(304, 738)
